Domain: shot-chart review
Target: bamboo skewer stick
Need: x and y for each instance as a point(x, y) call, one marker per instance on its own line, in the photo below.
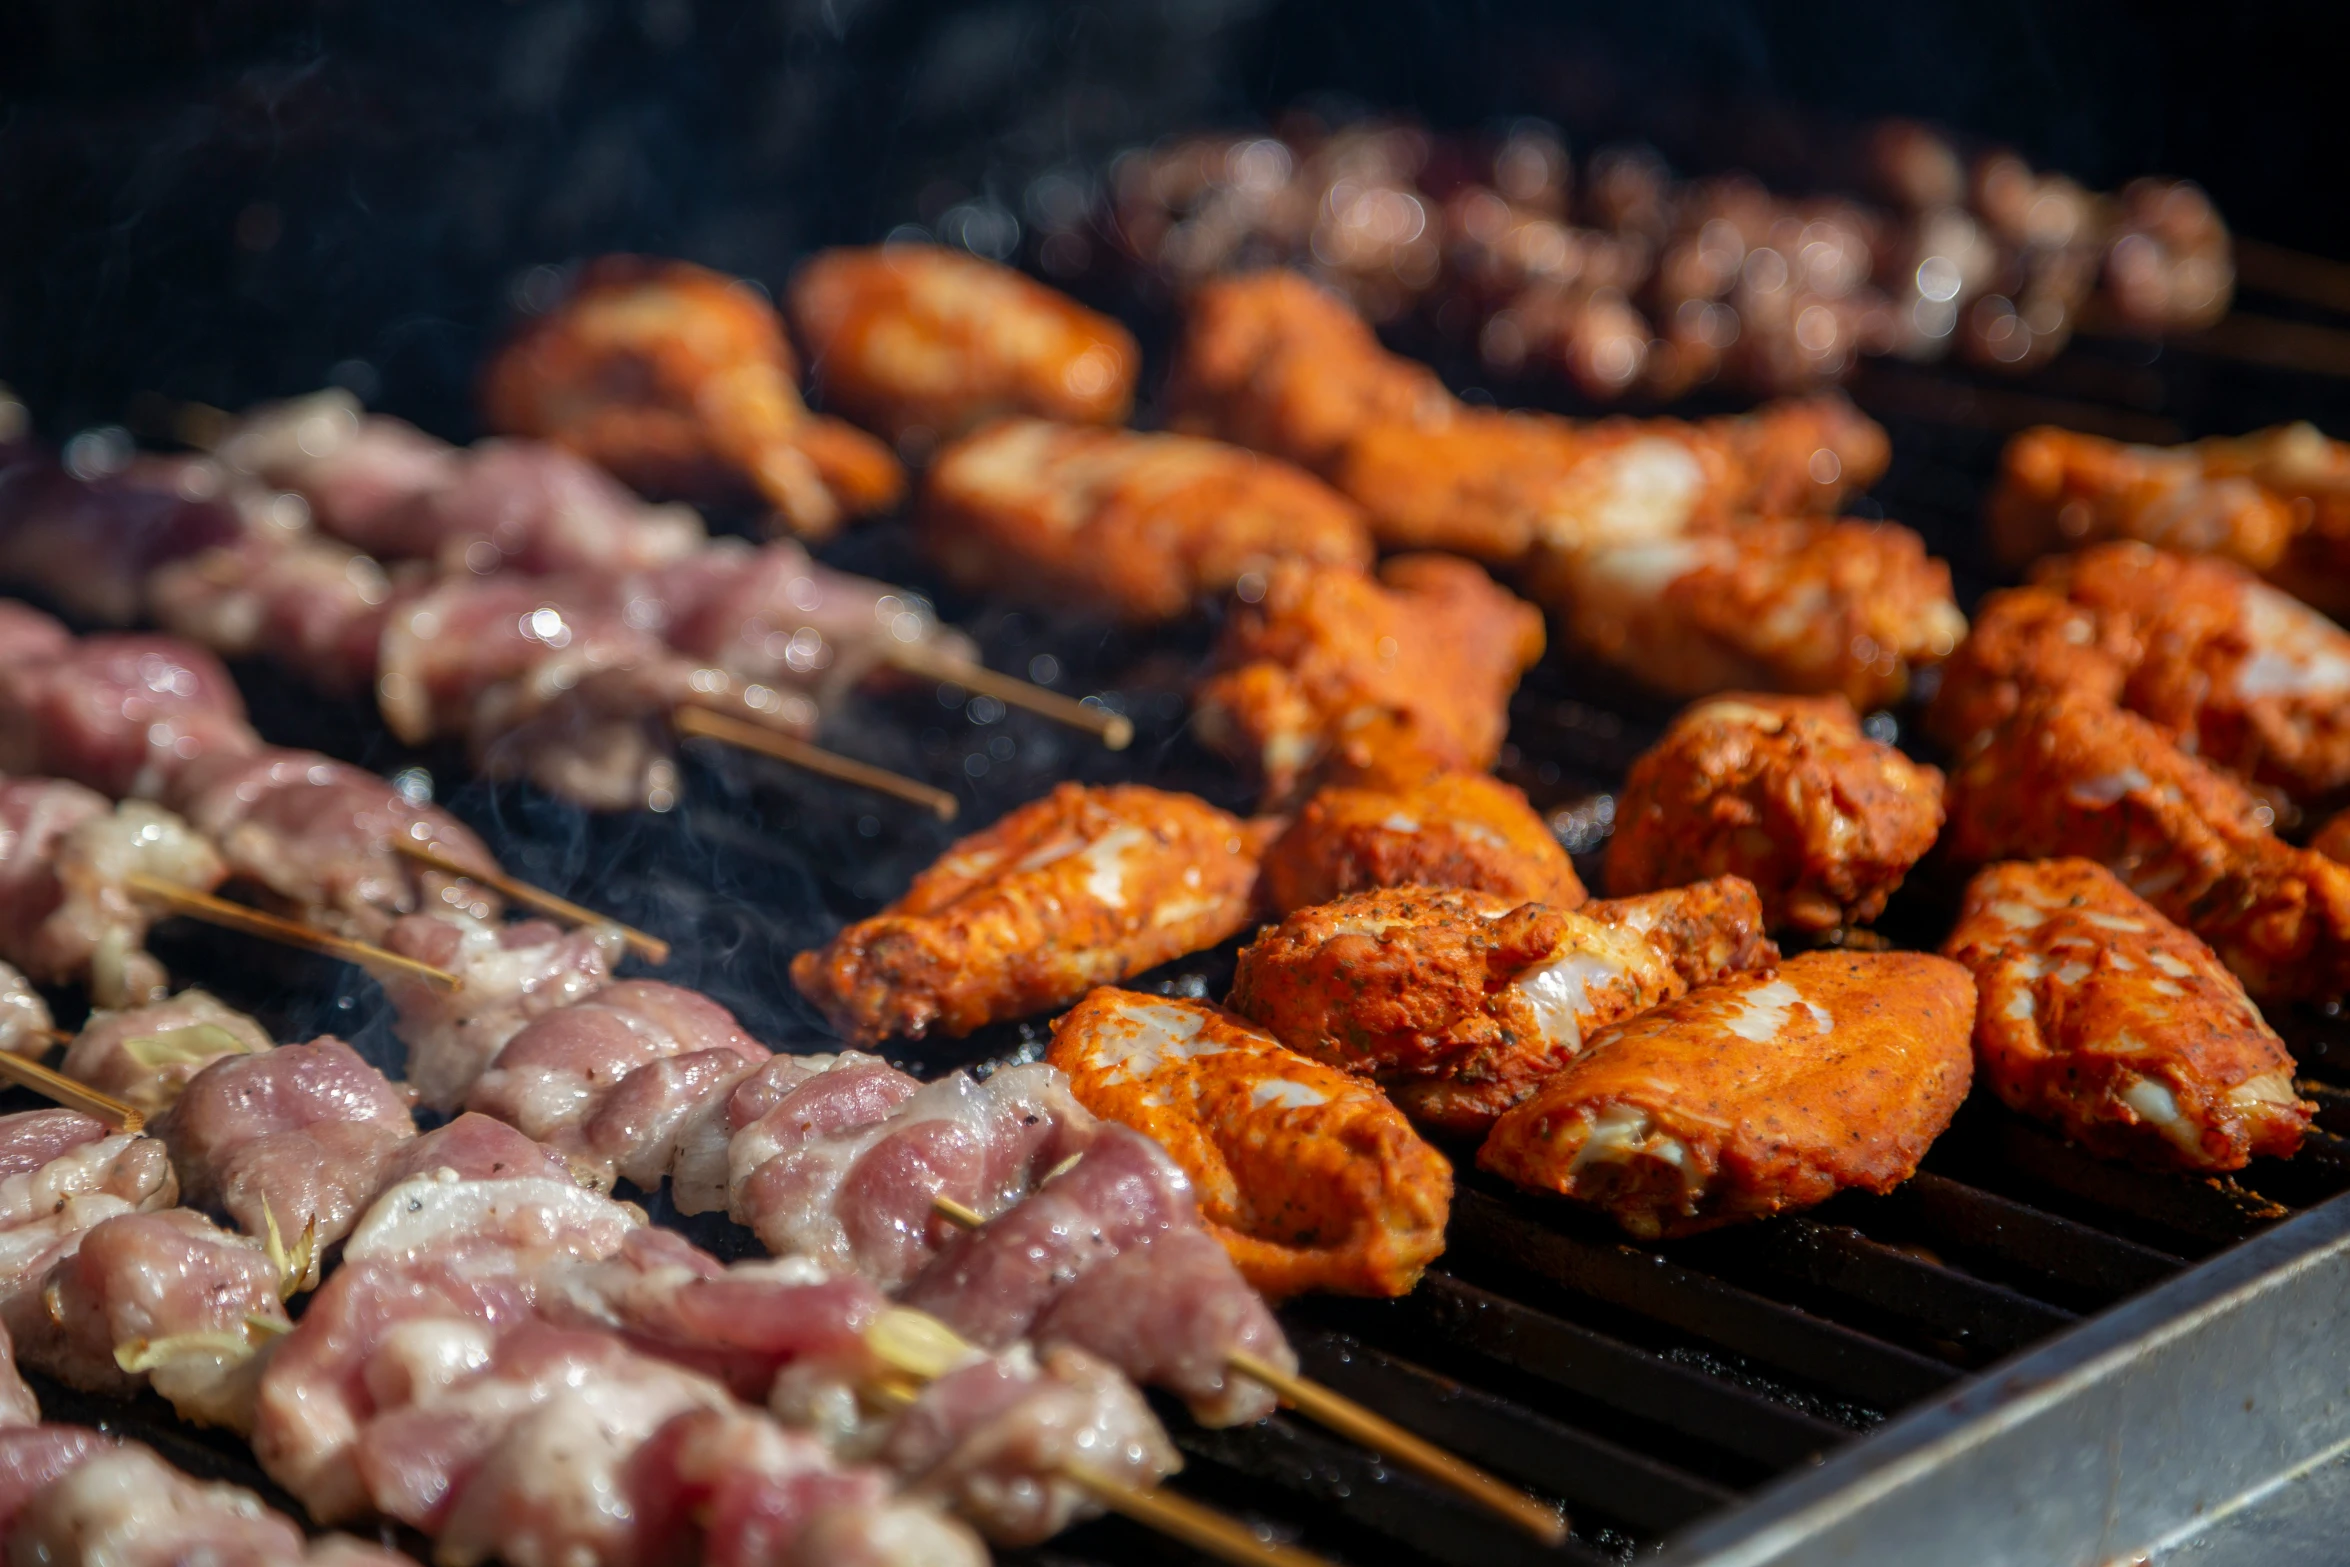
point(1327, 1407)
point(2273, 269)
point(253, 922)
point(652, 948)
point(50, 1039)
point(703, 724)
point(1114, 730)
point(55, 1085)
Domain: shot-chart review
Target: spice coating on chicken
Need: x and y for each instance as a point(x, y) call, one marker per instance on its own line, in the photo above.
point(1497, 485)
point(2252, 680)
point(2100, 1016)
point(1272, 361)
point(1122, 524)
point(679, 379)
point(1461, 1003)
point(1330, 675)
point(1797, 605)
point(1785, 792)
point(1457, 829)
point(1759, 1093)
point(1309, 1177)
point(922, 343)
point(2060, 489)
point(1081, 888)
point(2070, 775)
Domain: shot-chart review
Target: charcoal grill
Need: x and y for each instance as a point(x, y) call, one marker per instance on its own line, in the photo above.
point(2023, 1354)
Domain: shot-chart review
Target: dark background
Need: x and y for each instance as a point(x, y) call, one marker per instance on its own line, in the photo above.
point(228, 200)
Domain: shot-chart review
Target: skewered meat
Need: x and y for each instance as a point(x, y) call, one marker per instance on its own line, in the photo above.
point(1330, 674)
point(668, 1121)
point(2070, 775)
point(128, 1508)
point(2171, 268)
point(1308, 1176)
point(678, 379)
point(1496, 485)
point(2060, 489)
point(1271, 361)
point(1796, 605)
point(67, 910)
point(52, 1161)
point(923, 343)
point(320, 833)
point(1785, 792)
point(1013, 1277)
point(1755, 1094)
point(123, 714)
point(1458, 829)
point(509, 974)
point(1121, 524)
point(2248, 678)
point(1082, 888)
point(1462, 1002)
point(147, 1055)
point(315, 606)
point(843, 1164)
point(24, 1015)
point(298, 1138)
point(552, 1075)
point(2099, 1015)
point(92, 542)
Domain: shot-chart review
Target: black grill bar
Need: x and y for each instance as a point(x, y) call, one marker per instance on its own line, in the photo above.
point(1966, 1219)
point(1587, 1470)
point(1591, 1365)
point(1851, 1364)
point(2023, 1160)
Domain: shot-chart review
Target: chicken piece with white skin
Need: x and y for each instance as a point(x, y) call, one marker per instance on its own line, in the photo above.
point(2100, 1016)
point(146, 1055)
point(1305, 1174)
point(1786, 792)
point(1082, 888)
point(26, 1029)
point(1759, 1093)
point(68, 911)
point(843, 1164)
point(1460, 1003)
point(1797, 605)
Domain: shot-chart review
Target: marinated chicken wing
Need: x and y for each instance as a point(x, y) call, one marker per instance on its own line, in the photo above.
point(1081, 888)
point(1307, 1175)
point(2100, 1016)
point(2070, 775)
point(680, 380)
point(923, 343)
point(1462, 1003)
point(1334, 676)
point(1785, 792)
point(2060, 489)
point(2251, 679)
point(1762, 1092)
point(1117, 523)
point(1496, 485)
point(1272, 361)
point(1798, 605)
point(1454, 830)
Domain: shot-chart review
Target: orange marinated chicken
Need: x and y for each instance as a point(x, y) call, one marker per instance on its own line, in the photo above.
point(2060, 489)
point(2258, 681)
point(1334, 676)
point(1800, 605)
point(679, 380)
point(1122, 524)
point(2071, 775)
point(1081, 888)
point(1273, 361)
point(2101, 1017)
point(923, 343)
point(1462, 1002)
point(1784, 791)
point(1496, 485)
point(1309, 1177)
point(1454, 830)
point(1760, 1093)
point(2333, 839)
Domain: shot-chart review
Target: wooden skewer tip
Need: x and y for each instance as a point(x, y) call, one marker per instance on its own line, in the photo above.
point(56, 1086)
point(1114, 730)
point(255, 922)
point(652, 948)
point(704, 724)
